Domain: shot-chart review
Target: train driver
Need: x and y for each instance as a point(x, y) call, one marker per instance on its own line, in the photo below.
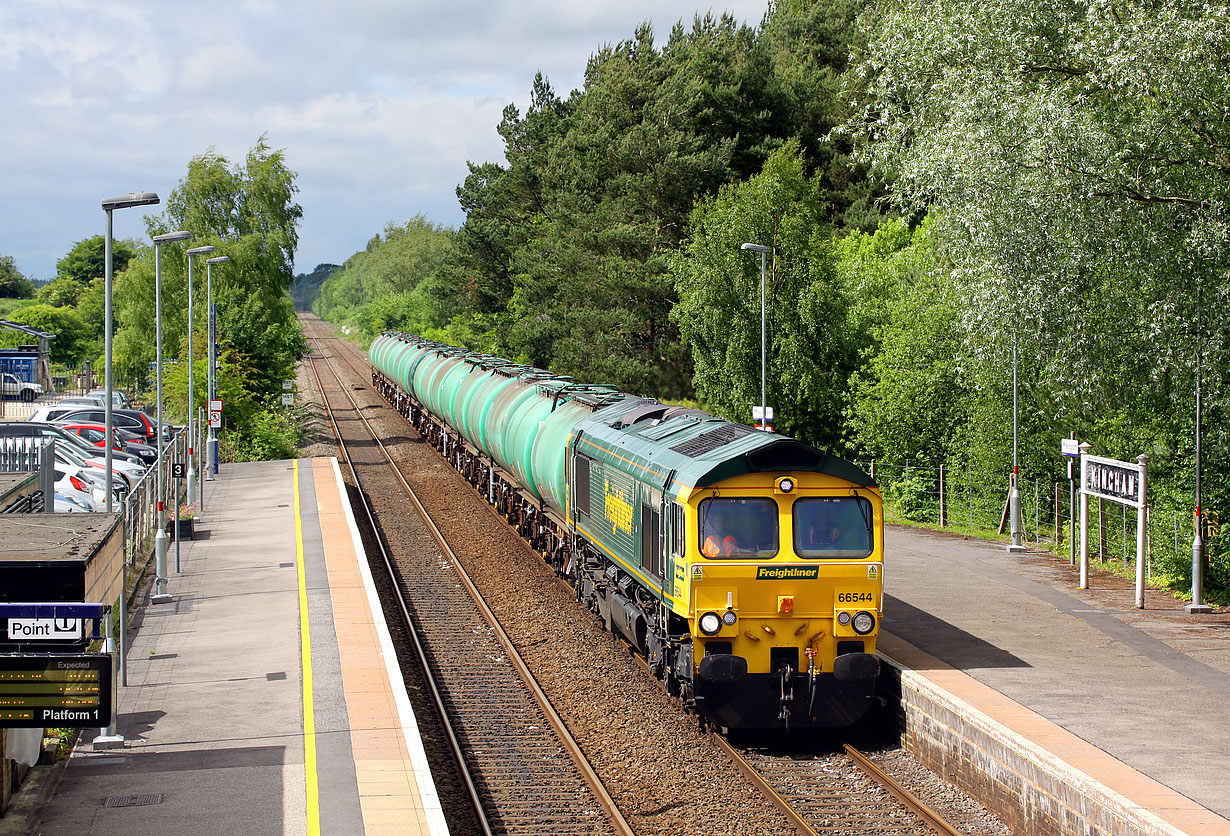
point(719, 541)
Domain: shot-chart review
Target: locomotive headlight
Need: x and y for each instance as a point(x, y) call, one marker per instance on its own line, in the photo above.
point(785, 484)
point(864, 623)
point(710, 623)
point(843, 618)
point(728, 618)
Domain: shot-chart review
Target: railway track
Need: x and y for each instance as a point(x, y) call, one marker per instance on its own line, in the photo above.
point(817, 792)
point(522, 770)
point(836, 793)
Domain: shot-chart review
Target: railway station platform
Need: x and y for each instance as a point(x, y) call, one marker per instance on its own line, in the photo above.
point(266, 696)
point(1068, 705)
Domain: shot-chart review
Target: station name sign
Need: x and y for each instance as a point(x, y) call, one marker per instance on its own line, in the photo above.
point(61, 691)
point(1114, 480)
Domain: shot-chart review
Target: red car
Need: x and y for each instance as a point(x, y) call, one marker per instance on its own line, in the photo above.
point(125, 441)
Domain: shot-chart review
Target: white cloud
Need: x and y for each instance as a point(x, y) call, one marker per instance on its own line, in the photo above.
point(377, 103)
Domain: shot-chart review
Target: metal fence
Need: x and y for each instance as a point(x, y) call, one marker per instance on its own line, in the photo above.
point(975, 502)
point(69, 379)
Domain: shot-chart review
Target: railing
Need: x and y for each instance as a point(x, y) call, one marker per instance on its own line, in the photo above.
point(141, 508)
point(20, 454)
point(966, 500)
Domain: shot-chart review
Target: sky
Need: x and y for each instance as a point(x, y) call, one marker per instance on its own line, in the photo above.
point(377, 104)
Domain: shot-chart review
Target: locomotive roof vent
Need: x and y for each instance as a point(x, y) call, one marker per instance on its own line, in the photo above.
point(710, 441)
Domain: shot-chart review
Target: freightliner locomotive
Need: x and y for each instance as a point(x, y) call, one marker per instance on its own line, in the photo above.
point(746, 566)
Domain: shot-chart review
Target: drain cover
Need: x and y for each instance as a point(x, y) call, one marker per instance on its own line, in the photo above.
point(143, 800)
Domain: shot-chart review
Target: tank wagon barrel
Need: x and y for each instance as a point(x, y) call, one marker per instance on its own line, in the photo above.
point(746, 566)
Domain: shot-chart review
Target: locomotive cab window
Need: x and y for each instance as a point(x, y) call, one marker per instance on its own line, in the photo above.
point(734, 527)
point(832, 527)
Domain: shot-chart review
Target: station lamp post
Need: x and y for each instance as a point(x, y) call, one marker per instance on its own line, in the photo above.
point(763, 250)
point(109, 205)
point(160, 536)
point(211, 466)
point(109, 737)
point(192, 494)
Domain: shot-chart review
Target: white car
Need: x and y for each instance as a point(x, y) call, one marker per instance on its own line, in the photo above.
point(127, 471)
point(14, 388)
point(74, 482)
point(65, 504)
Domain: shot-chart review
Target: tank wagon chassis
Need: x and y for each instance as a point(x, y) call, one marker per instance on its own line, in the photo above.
point(625, 605)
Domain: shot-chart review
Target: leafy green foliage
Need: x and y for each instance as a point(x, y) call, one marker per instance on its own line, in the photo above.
point(86, 261)
point(72, 342)
point(398, 282)
point(306, 287)
point(811, 350)
point(13, 284)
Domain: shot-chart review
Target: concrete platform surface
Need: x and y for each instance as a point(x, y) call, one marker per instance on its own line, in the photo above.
point(266, 697)
point(1137, 700)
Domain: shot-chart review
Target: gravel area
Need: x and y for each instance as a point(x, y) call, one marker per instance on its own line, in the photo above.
point(666, 777)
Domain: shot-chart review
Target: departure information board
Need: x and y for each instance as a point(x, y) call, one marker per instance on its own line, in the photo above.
point(55, 691)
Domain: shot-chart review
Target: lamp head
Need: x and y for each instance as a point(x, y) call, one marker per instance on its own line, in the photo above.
point(218, 259)
point(131, 199)
point(168, 237)
point(758, 248)
point(207, 248)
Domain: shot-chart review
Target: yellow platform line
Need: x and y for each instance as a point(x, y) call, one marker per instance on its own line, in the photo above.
point(309, 709)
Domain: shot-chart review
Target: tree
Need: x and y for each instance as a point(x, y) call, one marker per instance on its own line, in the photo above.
point(72, 342)
point(13, 285)
point(1074, 158)
point(248, 212)
point(811, 348)
point(86, 261)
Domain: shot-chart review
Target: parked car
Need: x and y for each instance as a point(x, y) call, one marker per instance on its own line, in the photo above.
point(52, 411)
point(82, 401)
point(72, 483)
point(125, 442)
point(65, 504)
point(125, 419)
point(14, 388)
point(119, 398)
point(127, 474)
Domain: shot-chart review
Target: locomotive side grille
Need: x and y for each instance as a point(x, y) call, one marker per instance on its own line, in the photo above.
point(707, 442)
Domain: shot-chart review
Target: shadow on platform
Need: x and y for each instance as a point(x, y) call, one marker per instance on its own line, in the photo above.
point(951, 644)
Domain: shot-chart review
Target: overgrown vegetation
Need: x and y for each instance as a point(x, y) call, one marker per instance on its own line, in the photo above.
point(946, 195)
point(248, 212)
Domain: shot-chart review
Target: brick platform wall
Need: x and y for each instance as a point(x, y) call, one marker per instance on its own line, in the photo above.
point(1027, 787)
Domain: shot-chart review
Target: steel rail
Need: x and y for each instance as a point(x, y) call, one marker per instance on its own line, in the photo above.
point(437, 699)
point(932, 818)
point(761, 783)
point(592, 781)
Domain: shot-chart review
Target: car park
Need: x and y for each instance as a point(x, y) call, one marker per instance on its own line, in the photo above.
point(76, 450)
point(37, 429)
point(126, 474)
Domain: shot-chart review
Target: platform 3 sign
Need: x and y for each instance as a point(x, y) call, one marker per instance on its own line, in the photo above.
point(58, 691)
